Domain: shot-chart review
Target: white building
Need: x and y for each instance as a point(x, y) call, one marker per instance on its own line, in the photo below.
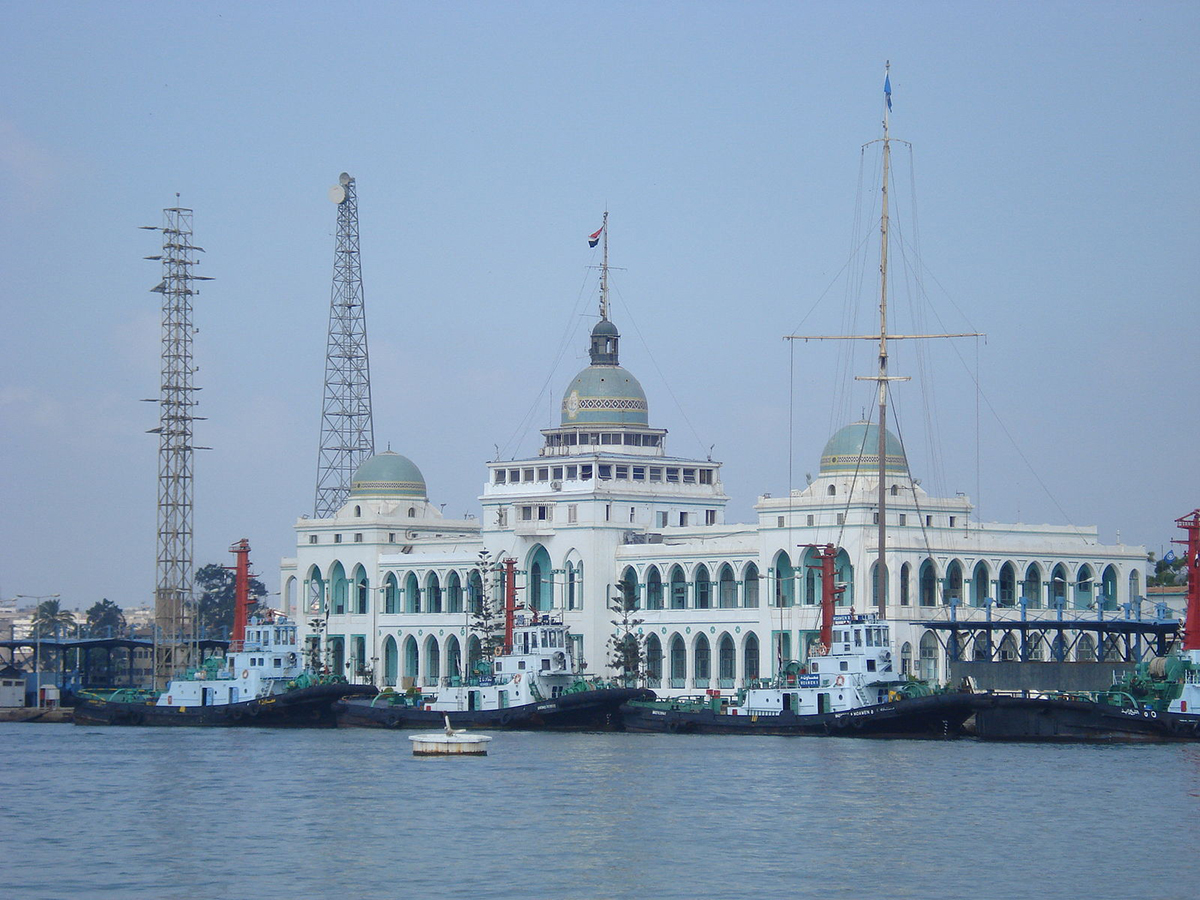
point(385, 587)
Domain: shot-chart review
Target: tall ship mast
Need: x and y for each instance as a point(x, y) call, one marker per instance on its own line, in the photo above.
point(881, 376)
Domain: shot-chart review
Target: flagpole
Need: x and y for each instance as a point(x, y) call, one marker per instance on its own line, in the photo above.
point(604, 272)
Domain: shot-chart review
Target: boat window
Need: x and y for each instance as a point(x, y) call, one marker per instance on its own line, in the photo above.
point(533, 641)
point(870, 637)
point(843, 665)
point(857, 637)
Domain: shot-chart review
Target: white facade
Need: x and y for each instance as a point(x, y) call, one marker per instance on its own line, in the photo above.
point(385, 587)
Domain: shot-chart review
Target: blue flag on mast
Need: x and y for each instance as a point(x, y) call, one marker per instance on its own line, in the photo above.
point(887, 90)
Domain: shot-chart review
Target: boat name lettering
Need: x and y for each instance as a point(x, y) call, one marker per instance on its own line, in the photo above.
point(809, 681)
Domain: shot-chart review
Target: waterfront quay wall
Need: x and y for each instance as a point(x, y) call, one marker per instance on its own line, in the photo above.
point(1040, 676)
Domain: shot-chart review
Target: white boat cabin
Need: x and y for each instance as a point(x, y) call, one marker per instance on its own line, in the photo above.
point(859, 670)
point(263, 665)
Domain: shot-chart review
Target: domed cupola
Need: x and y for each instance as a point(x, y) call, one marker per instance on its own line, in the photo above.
point(855, 448)
point(605, 393)
point(388, 474)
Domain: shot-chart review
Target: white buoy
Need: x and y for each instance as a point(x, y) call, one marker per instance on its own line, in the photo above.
point(452, 741)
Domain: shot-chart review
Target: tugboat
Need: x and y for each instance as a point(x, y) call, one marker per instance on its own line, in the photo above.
point(533, 685)
point(261, 682)
point(850, 688)
point(1158, 701)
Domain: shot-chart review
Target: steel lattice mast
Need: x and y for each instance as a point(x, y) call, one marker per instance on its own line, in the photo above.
point(347, 432)
point(173, 607)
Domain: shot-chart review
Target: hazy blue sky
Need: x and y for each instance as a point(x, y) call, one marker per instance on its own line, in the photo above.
point(1055, 152)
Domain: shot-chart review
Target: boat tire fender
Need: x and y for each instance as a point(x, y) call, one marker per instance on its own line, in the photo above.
point(392, 720)
point(505, 718)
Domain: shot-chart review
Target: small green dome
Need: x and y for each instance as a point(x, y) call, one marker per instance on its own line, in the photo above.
point(388, 474)
point(605, 395)
point(855, 448)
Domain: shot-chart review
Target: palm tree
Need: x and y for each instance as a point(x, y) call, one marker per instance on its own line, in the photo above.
point(50, 617)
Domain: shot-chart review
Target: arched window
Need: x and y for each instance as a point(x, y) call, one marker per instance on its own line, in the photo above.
point(357, 512)
point(726, 662)
point(433, 593)
point(391, 594)
point(1135, 585)
point(844, 572)
point(929, 657)
point(412, 594)
point(703, 588)
point(906, 659)
point(1085, 649)
point(979, 584)
point(1108, 588)
point(678, 589)
point(339, 587)
point(314, 589)
point(475, 593)
point(905, 578)
point(954, 583)
point(412, 512)
point(1083, 587)
point(654, 591)
point(411, 660)
point(654, 661)
point(1058, 586)
point(574, 585)
point(630, 589)
point(1031, 587)
point(433, 661)
point(391, 662)
point(702, 667)
point(475, 659)
point(831, 490)
point(785, 581)
point(289, 597)
point(541, 580)
point(1008, 585)
point(750, 670)
point(362, 591)
point(928, 583)
point(454, 593)
point(751, 589)
point(811, 574)
point(454, 667)
point(728, 588)
point(678, 662)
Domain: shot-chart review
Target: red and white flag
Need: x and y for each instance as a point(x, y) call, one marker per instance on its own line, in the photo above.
point(594, 237)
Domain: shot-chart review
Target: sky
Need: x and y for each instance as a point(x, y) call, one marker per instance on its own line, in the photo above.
point(1046, 197)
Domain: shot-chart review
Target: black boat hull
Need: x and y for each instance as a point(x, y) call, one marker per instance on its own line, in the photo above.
point(308, 707)
point(1000, 717)
point(937, 716)
point(582, 711)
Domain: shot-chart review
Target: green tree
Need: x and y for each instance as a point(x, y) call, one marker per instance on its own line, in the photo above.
point(626, 648)
point(50, 618)
point(487, 619)
point(215, 606)
point(105, 618)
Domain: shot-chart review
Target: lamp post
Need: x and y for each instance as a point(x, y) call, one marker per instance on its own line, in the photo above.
point(37, 652)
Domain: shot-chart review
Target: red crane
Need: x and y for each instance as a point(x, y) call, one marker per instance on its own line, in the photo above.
point(241, 592)
point(1191, 624)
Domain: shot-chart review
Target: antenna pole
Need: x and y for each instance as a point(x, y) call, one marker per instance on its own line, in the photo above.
point(174, 620)
point(347, 430)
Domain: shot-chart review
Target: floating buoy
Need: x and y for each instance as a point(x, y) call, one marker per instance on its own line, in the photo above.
point(450, 742)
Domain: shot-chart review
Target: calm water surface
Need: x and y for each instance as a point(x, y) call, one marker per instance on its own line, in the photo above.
point(195, 813)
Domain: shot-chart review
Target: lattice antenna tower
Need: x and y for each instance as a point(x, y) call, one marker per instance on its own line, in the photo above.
point(174, 610)
point(347, 432)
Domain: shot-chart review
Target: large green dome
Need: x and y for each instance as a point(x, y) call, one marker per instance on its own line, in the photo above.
point(388, 474)
point(855, 448)
point(605, 395)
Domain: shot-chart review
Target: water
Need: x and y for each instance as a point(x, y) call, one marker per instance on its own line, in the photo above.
point(190, 813)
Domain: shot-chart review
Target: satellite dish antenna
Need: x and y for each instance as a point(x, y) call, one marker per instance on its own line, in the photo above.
point(344, 179)
point(337, 194)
